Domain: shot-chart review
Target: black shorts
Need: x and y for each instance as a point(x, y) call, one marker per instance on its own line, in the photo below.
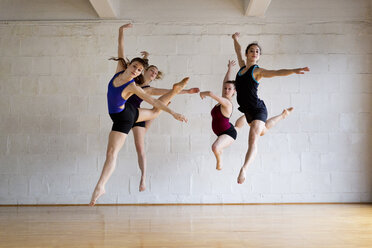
point(255, 114)
point(231, 132)
point(140, 124)
point(124, 120)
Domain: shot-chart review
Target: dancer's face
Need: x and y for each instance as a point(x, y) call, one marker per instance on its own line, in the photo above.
point(228, 90)
point(253, 54)
point(151, 73)
point(135, 69)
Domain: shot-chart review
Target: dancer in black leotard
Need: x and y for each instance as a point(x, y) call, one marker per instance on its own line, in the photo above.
point(139, 129)
point(123, 114)
point(254, 109)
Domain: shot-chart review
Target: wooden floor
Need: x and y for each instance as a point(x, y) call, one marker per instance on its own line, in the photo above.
point(313, 225)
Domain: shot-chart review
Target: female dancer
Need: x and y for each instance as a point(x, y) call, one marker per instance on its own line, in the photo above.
point(221, 114)
point(123, 114)
point(140, 128)
point(254, 109)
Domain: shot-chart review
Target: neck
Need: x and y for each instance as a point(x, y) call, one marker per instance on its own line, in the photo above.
point(147, 82)
point(250, 63)
point(126, 76)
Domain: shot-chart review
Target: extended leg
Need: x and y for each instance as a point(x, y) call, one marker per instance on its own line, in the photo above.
point(115, 143)
point(150, 114)
point(139, 140)
point(254, 133)
point(270, 123)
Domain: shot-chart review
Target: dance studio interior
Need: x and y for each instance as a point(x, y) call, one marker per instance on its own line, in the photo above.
point(291, 79)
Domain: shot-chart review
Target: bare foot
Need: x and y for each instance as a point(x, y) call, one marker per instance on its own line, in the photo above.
point(177, 87)
point(219, 166)
point(241, 177)
point(96, 194)
point(286, 112)
point(142, 186)
point(218, 159)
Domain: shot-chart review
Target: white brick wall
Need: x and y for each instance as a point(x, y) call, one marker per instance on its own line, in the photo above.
point(54, 122)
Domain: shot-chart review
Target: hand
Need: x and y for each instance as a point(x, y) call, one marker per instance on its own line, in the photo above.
point(203, 94)
point(231, 64)
point(126, 26)
point(236, 36)
point(180, 117)
point(145, 54)
point(193, 90)
point(301, 70)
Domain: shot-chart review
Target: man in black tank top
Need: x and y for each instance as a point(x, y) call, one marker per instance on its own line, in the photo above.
point(254, 109)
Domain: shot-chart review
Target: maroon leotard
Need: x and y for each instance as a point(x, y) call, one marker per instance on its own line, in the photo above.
point(220, 123)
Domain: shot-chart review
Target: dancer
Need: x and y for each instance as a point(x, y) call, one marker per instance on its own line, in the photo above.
point(254, 109)
point(139, 129)
point(123, 114)
point(221, 114)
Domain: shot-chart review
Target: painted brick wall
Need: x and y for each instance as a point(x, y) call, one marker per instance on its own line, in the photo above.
point(54, 123)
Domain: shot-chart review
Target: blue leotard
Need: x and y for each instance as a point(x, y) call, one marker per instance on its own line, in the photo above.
point(114, 99)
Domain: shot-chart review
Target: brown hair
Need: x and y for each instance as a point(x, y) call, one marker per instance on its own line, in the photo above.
point(230, 82)
point(139, 79)
point(253, 44)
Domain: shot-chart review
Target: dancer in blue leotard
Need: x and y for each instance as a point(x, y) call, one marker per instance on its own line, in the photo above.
point(123, 114)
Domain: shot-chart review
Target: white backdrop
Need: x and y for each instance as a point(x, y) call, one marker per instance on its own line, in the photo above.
point(54, 123)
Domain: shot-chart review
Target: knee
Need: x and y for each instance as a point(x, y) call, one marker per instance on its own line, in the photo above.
point(215, 149)
point(111, 154)
point(156, 110)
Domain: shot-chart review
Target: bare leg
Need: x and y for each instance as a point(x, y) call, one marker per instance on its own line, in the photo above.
point(148, 124)
point(150, 114)
point(254, 133)
point(270, 123)
point(115, 143)
point(240, 123)
point(221, 143)
point(139, 140)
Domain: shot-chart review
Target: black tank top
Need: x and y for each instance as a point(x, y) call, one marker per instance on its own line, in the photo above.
point(135, 100)
point(246, 89)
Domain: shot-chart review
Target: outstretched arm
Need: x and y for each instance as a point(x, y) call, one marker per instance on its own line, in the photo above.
point(159, 92)
point(221, 100)
point(154, 102)
point(238, 49)
point(283, 72)
point(228, 75)
point(120, 66)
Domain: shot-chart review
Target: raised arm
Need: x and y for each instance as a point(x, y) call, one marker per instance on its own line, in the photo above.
point(154, 102)
point(238, 49)
point(158, 92)
point(120, 66)
point(277, 73)
point(145, 55)
point(221, 100)
point(228, 75)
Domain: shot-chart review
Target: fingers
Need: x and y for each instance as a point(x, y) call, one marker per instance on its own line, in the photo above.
point(144, 53)
point(194, 90)
point(236, 35)
point(302, 70)
point(181, 118)
point(126, 26)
